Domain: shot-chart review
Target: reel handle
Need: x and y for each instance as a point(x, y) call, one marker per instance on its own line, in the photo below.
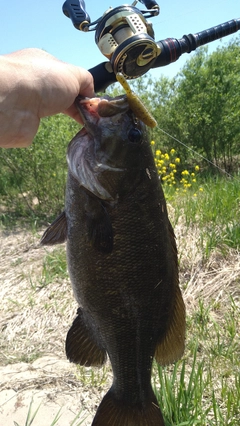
point(150, 4)
point(76, 11)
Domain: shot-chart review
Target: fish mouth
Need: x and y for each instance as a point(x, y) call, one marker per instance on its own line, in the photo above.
point(92, 109)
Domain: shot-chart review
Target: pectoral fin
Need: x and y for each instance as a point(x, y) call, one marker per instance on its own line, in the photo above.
point(82, 346)
point(56, 233)
point(171, 348)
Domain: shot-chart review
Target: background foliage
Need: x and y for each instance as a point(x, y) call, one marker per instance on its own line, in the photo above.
point(203, 110)
point(32, 180)
point(200, 107)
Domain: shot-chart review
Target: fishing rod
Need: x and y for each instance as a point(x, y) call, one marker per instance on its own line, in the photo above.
point(126, 38)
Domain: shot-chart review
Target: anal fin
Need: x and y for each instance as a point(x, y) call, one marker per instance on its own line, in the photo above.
point(171, 348)
point(82, 347)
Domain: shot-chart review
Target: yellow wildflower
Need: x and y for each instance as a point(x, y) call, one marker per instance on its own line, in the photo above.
point(197, 168)
point(166, 156)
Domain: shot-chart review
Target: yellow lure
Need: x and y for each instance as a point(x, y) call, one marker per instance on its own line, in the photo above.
point(135, 103)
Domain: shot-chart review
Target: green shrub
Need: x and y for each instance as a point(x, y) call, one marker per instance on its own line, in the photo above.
point(32, 180)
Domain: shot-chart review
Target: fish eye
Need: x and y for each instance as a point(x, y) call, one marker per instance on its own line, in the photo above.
point(134, 135)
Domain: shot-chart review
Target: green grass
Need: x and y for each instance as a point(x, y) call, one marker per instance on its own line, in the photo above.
point(54, 267)
point(90, 376)
point(32, 414)
point(215, 211)
point(204, 387)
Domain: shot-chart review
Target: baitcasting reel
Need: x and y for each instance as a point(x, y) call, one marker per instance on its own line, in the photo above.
point(126, 39)
point(123, 35)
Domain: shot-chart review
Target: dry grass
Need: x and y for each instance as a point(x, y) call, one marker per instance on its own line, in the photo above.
point(34, 321)
point(36, 316)
point(212, 279)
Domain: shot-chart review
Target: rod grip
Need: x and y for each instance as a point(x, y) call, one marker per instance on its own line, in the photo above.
point(103, 76)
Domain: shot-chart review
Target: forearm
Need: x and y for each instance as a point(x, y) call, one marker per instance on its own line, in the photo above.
point(16, 108)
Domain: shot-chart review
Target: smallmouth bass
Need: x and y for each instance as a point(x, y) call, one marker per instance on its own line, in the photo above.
point(122, 260)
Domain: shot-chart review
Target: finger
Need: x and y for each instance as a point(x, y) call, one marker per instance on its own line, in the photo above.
point(73, 113)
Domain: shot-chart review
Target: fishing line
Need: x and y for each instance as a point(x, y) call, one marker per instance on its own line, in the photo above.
point(197, 153)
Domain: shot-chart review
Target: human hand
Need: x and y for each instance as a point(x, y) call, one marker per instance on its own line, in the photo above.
point(34, 84)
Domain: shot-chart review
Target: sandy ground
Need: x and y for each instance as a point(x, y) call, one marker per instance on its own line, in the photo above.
point(34, 320)
point(49, 385)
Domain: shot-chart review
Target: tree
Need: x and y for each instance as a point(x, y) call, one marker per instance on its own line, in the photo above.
point(204, 113)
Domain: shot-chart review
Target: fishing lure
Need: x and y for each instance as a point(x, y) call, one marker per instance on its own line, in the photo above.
point(135, 103)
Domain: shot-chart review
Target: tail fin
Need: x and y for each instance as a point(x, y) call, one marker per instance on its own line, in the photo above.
point(114, 412)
